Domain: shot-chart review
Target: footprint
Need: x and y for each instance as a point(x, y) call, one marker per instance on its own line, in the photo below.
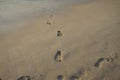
point(74, 78)
point(100, 61)
point(42, 77)
point(109, 60)
point(61, 77)
point(79, 75)
point(25, 78)
point(59, 56)
point(49, 22)
point(50, 16)
point(59, 33)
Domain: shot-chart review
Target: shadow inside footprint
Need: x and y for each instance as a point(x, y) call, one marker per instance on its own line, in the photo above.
point(108, 59)
point(59, 56)
point(79, 74)
point(74, 78)
point(25, 78)
point(98, 63)
point(42, 77)
point(59, 33)
point(61, 77)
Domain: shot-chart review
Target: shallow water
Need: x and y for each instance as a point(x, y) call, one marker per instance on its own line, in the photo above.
point(14, 11)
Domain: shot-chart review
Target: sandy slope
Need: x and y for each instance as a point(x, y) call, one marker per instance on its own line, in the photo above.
point(90, 32)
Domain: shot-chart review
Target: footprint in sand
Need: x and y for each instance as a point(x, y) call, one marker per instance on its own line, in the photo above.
point(25, 78)
point(61, 77)
point(79, 75)
point(74, 78)
point(59, 33)
point(100, 61)
point(49, 22)
point(50, 16)
point(59, 56)
point(42, 77)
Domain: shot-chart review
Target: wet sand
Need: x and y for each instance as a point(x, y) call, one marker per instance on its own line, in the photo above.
point(81, 43)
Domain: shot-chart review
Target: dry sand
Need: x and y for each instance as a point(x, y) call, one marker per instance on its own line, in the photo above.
point(87, 47)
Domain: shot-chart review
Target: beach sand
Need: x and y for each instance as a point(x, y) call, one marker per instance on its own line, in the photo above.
point(81, 43)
